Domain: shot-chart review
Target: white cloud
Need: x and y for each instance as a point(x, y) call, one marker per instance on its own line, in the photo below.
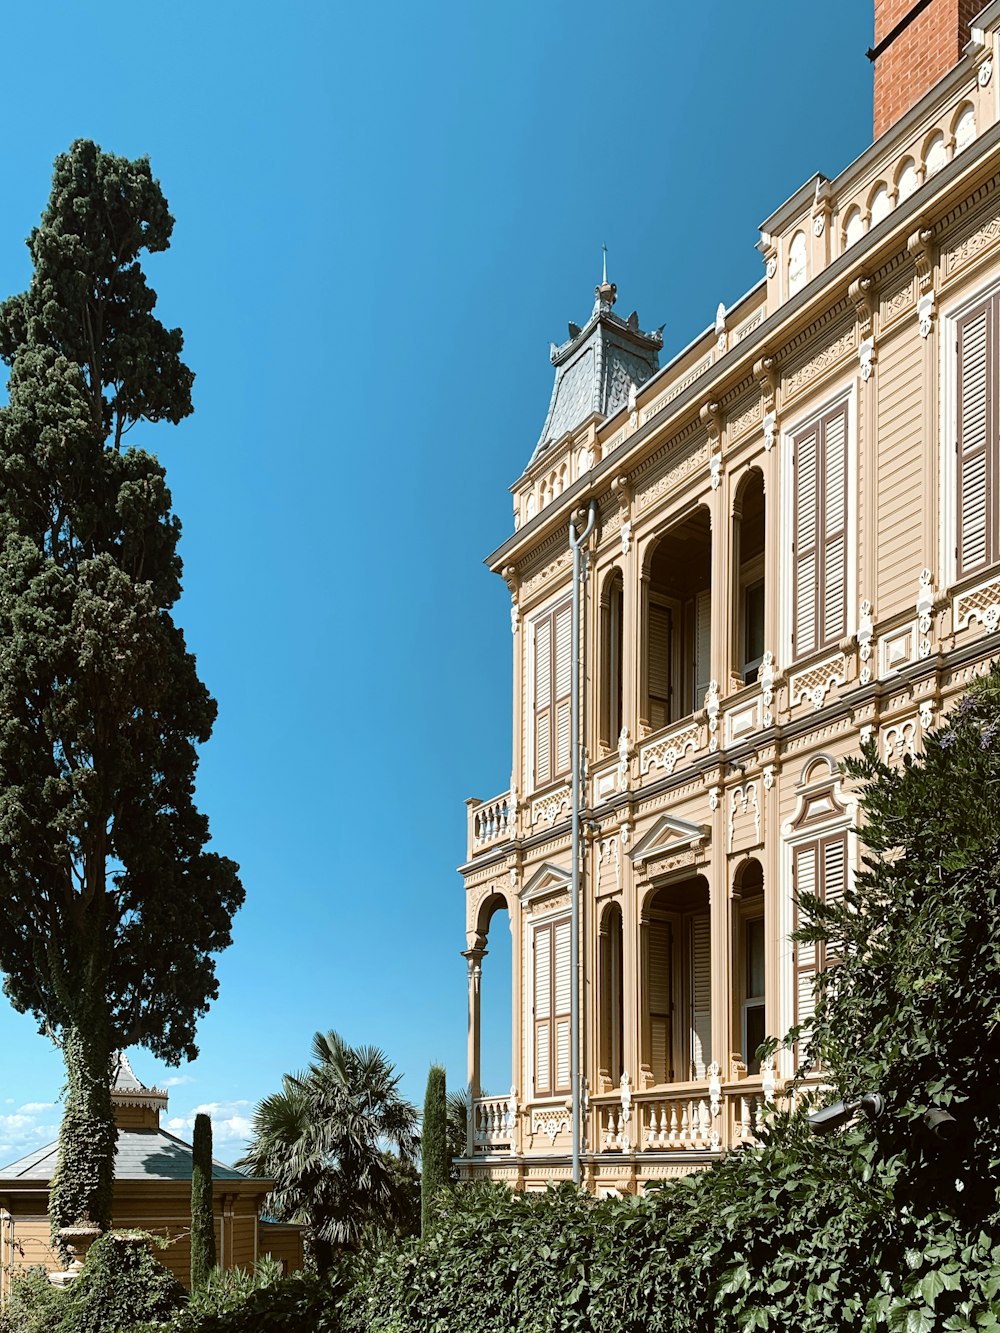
point(231, 1125)
point(25, 1130)
point(32, 1108)
point(176, 1081)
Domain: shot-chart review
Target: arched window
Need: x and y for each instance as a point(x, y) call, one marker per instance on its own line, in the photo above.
point(677, 947)
point(612, 659)
point(678, 605)
point(854, 227)
point(935, 154)
point(750, 1026)
point(906, 179)
point(610, 1057)
point(748, 552)
point(879, 206)
point(797, 263)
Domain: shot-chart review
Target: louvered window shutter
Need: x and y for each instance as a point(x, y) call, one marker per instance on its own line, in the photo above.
point(543, 1010)
point(660, 1009)
point(562, 996)
point(563, 633)
point(659, 649)
point(806, 873)
point(701, 995)
point(702, 648)
point(807, 543)
point(543, 701)
point(820, 868)
point(834, 491)
point(820, 565)
point(977, 437)
point(553, 685)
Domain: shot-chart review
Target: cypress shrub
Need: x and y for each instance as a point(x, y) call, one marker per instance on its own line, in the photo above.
point(433, 1145)
point(202, 1216)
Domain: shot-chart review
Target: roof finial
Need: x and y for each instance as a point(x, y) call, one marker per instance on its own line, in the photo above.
point(607, 292)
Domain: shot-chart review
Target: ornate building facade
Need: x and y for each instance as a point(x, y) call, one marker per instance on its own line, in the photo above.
point(797, 546)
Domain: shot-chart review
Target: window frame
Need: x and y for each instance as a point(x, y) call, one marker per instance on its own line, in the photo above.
point(844, 396)
point(948, 461)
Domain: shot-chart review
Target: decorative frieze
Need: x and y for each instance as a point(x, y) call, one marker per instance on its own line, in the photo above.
point(675, 389)
point(549, 808)
point(978, 235)
point(667, 752)
point(743, 800)
point(899, 739)
point(981, 603)
point(829, 355)
point(817, 682)
point(550, 1123)
point(694, 461)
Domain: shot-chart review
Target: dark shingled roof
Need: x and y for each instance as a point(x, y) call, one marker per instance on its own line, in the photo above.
point(142, 1154)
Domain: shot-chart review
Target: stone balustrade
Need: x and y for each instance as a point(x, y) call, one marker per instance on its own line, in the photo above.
point(490, 822)
point(493, 1124)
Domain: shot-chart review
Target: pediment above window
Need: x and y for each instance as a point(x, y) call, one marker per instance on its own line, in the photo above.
point(667, 837)
point(547, 881)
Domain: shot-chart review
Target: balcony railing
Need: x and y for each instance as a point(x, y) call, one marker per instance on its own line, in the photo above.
point(494, 1122)
point(490, 822)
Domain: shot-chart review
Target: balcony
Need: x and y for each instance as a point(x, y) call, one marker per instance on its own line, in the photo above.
point(702, 1117)
point(490, 823)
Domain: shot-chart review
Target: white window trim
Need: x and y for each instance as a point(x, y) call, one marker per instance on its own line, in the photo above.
point(792, 838)
point(947, 558)
point(848, 394)
point(548, 919)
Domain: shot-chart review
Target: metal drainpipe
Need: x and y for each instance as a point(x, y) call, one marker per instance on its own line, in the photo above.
point(576, 542)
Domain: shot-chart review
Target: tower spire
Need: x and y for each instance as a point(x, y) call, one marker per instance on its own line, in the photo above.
point(604, 276)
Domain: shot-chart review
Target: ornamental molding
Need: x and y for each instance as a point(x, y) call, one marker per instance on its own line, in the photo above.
point(561, 563)
point(862, 294)
point(834, 351)
point(743, 800)
point(980, 603)
point(668, 836)
point(550, 878)
point(694, 461)
point(547, 809)
point(896, 300)
point(899, 740)
point(550, 1123)
point(668, 751)
point(815, 683)
point(676, 389)
point(749, 413)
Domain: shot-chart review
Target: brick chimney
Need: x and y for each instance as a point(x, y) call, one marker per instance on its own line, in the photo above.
point(916, 43)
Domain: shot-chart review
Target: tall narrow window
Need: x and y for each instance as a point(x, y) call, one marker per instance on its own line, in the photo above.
point(678, 629)
point(552, 990)
point(820, 868)
point(820, 540)
point(611, 1006)
point(753, 991)
point(700, 953)
point(553, 679)
point(748, 554)
point(977, 436)
point(612, 654)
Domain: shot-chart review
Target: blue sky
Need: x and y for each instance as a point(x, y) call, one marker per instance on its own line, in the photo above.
point(385, 213)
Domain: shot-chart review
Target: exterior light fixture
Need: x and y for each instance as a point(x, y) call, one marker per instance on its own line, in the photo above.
point(872, 1105)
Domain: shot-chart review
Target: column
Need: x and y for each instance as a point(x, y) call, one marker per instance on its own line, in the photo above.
point(474, 959)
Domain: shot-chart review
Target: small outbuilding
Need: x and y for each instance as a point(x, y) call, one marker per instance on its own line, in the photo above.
point(152, 1191)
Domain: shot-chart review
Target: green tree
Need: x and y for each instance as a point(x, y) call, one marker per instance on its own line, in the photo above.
point(202, 1213)
point(913, 1007)
point(323, 1141)
point(111, 909)
point(434, 1156)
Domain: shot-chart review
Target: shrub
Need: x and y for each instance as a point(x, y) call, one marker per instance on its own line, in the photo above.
point(34, 1304)
point(121, 1284)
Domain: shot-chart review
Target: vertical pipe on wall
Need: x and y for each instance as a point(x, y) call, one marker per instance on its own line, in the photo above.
point(576, 543)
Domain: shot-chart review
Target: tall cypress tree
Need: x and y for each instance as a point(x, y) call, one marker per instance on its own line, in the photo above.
point(202, 1216)
point(434, 1162)
point(110, 907)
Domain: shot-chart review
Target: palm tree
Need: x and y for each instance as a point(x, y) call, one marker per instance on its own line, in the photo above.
point(332, 1141)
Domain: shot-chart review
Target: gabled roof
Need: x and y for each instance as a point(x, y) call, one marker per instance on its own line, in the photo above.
point(141, 1154)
